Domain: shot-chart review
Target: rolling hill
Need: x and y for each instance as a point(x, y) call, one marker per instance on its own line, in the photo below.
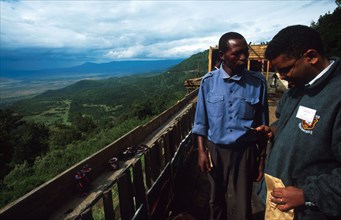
point(109, 99)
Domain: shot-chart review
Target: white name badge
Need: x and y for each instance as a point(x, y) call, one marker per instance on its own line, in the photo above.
point(306, 114)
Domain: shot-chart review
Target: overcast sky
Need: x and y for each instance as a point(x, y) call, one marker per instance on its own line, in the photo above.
point(48, 34)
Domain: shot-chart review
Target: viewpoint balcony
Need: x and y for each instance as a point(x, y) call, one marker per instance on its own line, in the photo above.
point(161, 182)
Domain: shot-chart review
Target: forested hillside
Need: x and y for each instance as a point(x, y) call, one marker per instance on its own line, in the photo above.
point(47, 134)
point(329, 26)
point(110, 99)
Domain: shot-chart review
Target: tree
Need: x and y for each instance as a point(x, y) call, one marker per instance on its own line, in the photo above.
point(20, 141)
point(61, 135)
point(29, 140)
point(84, 124)
point(8, 122)
point(329, 26)
point(142, 109)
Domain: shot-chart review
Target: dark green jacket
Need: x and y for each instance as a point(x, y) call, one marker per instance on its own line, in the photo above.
point(308, 156)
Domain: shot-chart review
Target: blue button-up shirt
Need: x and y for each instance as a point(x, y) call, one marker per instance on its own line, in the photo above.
point(228, 103)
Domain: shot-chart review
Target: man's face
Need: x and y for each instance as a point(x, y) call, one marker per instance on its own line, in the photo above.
point(235, 58)
point(292, 70)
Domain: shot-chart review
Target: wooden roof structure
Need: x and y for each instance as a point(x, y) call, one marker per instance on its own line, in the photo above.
point(256, 54)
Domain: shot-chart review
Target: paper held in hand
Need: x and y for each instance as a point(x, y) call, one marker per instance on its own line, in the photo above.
point(271, 211)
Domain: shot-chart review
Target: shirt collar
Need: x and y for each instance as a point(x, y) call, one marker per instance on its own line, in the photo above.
point(320, 74)
point(225, 75)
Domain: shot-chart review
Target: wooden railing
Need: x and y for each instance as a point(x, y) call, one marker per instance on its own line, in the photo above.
point(145, 187)
point(143, 183)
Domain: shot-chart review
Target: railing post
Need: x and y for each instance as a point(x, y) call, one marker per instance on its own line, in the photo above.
point(109, 212)
point(125, 194)
point(165, 138)
point(155, 161)
point(140, 191)
point(87, 214)
point(147, 169)
point(177, 135)
point(171, 141)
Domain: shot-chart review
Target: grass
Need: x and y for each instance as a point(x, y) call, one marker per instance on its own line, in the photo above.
point(59, 112)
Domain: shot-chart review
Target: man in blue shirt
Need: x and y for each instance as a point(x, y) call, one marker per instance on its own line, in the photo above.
point(229, 99)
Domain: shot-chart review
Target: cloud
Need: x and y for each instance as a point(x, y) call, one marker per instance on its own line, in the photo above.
point(100, 31)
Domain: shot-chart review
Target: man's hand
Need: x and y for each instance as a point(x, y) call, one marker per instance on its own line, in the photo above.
point(203, 161)
point(267, 131)
point(287, 198)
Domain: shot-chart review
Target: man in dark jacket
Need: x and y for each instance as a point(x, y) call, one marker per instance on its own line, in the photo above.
point(306, 150)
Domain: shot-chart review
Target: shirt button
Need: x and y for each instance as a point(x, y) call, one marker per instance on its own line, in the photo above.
point(230, 104)
point(230, 117)
point(231, 91)
point(231, 130)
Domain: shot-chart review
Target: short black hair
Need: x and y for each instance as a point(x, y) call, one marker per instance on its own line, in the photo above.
point(294, 41)
point(223, 41)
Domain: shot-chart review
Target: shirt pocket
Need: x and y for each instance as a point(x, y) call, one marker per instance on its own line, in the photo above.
point(215, 105)
point(247, 107)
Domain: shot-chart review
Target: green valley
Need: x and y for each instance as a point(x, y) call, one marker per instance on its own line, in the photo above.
point(44, 135)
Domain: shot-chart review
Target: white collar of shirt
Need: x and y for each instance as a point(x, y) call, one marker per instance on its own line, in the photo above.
point(320, 74)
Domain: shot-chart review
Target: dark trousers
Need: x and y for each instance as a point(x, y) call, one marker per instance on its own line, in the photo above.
point(233, 172)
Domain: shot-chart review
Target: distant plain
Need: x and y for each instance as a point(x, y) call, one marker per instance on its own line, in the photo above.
point(19, 85)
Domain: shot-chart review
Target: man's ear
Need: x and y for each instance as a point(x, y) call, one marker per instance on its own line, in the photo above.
point(221, 55)
point(312, 56)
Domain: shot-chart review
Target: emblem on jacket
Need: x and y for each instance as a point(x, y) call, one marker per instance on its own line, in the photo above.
point(308, 127)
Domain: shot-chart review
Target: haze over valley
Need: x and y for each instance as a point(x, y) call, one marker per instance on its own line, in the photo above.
point(16, 85)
